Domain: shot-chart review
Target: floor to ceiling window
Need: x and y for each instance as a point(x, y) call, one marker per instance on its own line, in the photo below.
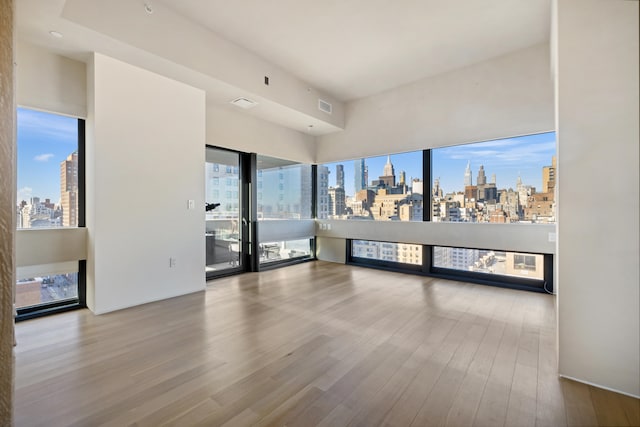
point(507, 181)
point(284, 210)
point(225, 217)
point(50, 195)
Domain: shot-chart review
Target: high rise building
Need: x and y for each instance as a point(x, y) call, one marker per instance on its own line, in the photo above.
point(455, 258)
point(360, 179)
point(323, 193)
point(482, 179)
point(388, 168)
point(340, 176)
point(417, 187)
point(336, 201)
point(388, 177)
point(468, 180)
point(69, 190)
point(549, 177)
point(305, 191)
point(436, 191)
point(366, 176)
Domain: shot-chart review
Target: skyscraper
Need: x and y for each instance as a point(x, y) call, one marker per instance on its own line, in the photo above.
point(360, 181)
point(388, 168)
point(468, 180)
point(549, 177)
point(69, 190)
point(323, 192)
point(388, 177)
point(340, 176)
point(482, 179)
point(336, 201)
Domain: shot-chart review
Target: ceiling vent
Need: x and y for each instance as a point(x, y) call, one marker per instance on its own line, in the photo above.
point(244, 103)
point(324, 106)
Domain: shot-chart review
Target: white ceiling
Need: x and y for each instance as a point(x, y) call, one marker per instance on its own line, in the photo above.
point(347, 48)
point(356, 48)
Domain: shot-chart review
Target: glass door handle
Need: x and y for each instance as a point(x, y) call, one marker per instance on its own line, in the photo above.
point(244, 221)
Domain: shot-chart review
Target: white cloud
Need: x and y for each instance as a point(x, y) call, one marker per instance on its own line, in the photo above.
point(515, 152)
point(43, 157)
point(48, 125)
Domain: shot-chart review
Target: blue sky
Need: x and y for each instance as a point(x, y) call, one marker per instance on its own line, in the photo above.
point(507, 158)
point(44, 140)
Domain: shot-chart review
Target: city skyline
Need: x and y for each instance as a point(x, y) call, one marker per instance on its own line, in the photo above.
point(410, 163)
point(507, 158)
point(44, 141)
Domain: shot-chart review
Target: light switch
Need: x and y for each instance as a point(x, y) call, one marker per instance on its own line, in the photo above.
point(191, 204)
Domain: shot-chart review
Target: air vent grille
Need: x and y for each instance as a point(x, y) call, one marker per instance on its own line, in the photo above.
point(324, 106)
point(244, 103)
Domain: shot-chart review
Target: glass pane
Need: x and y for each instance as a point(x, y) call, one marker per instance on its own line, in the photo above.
point(346, 190)
point(223, 231)
point(290, 249)
point(386, 251)
point(47, 170)
point(489, 261)
point(283, 189)
point(502, 181)
point(46, 289)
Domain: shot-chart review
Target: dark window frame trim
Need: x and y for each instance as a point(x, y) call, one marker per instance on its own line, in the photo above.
point(427, 269)
point(81, 301)
point(60, 306)
point(289, 261)
point(248, 193)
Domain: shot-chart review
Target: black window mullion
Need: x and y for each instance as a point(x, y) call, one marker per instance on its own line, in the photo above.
point(314, 191)
point(427, 184)
point(81, 174)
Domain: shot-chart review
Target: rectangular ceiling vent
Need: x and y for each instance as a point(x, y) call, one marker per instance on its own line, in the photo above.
point(324, 106)
point(244, 103)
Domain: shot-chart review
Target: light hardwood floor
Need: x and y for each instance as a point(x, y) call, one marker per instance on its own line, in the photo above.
point(312, 344)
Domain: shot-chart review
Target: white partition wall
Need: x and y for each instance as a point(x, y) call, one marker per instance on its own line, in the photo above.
point(145, 161)
point(598, 133)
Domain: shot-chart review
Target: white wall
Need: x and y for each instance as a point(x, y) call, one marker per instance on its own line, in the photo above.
point(598, 235)
point(50, 82)
point(50, 245)
point(331, 249)
point(239, 131)
point(507, 96)
point(145, 160)
point(509, 237)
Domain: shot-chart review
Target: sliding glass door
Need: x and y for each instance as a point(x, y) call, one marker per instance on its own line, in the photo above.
point(226, 213)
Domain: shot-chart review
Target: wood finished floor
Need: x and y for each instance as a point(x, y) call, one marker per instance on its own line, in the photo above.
point(312, 344)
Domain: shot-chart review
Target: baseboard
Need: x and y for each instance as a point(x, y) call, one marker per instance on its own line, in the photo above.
point(599, 386)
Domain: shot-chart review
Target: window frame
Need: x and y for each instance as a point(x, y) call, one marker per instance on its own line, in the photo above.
point(81, 301)
point(427, 269)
